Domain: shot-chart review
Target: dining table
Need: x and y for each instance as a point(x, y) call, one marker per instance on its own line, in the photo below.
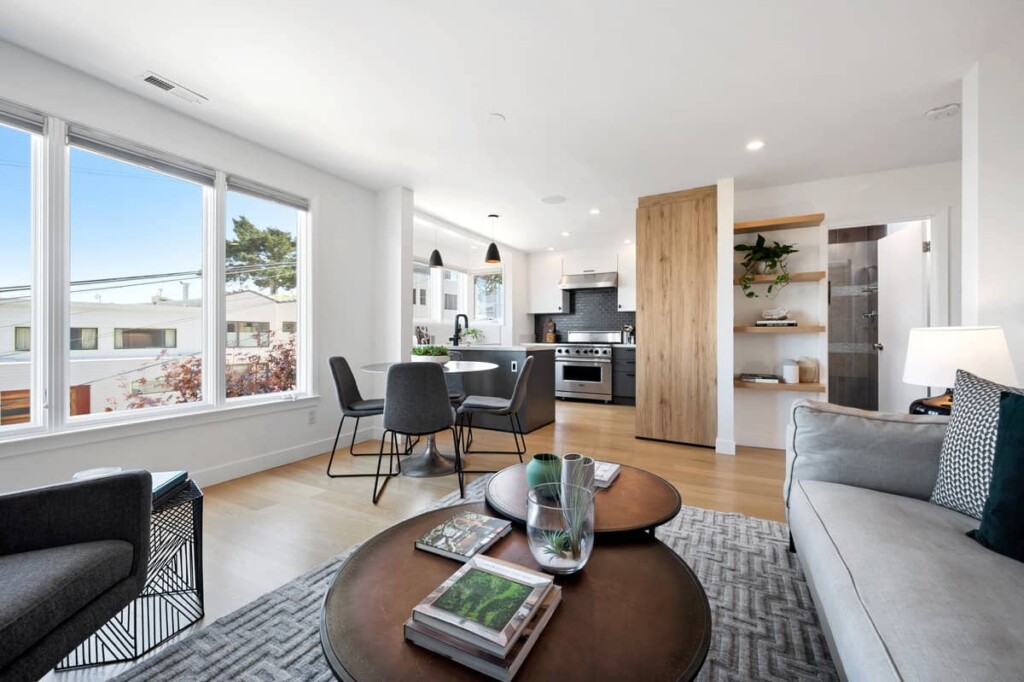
point(432, 461)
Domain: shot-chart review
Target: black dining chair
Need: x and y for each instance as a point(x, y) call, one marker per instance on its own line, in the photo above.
point(352, 405)
point(416, 403)
point(501, 407)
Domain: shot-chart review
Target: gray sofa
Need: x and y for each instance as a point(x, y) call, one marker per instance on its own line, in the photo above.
point(901, 592)
point(71, 556)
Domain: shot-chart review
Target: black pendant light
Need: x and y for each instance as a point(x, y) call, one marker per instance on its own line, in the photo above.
point(493, 256)
point(435, 255)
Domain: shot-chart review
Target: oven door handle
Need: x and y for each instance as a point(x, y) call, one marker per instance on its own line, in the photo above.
point(585, 363)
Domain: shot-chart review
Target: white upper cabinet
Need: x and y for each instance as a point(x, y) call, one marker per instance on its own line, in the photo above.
point(627, 277)
point(545, 274)
point(587, 261)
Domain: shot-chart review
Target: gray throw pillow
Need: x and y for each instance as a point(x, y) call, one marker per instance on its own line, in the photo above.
point(968, 450)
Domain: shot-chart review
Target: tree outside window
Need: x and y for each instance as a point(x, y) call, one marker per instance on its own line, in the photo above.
point(488, 296)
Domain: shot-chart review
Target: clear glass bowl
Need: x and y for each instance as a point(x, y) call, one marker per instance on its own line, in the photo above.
point(560, 526)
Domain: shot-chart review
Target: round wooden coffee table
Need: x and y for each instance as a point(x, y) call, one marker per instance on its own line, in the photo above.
point(636, 499)
point(635, 612)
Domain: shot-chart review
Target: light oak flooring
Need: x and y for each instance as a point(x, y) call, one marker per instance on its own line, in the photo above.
point(262, 530)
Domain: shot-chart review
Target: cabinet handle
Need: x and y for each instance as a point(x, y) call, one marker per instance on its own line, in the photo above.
point(630, 374)
point(620, 306)
point(559, 307)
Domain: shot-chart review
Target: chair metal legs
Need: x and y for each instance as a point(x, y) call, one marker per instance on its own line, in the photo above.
point(465, 425)
point(351, 446)
point(396, 457)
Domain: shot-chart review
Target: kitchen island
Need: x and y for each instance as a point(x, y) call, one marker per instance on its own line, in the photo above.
point(539, 407)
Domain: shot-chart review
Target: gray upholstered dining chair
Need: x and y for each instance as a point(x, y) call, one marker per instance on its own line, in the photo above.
point(502, 407)
point(415, 404)
point(352, 405)
point(456, 387)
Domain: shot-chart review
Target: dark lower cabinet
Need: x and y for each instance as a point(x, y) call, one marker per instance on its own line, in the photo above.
point(539, 407)
point(624, 376)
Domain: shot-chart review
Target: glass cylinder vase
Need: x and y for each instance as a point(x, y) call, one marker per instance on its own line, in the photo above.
point(560, 526)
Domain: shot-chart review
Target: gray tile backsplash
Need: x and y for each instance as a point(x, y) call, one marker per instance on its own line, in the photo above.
point(590, 310)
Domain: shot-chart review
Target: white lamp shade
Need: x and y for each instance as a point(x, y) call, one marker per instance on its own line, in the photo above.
point(934, 354)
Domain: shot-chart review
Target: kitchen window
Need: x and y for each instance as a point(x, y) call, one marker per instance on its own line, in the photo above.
point(421, 287)
point(488, 296)
point(125, 339)
point(23, 339)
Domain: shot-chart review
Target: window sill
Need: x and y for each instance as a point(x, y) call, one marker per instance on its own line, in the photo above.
point(95, 432)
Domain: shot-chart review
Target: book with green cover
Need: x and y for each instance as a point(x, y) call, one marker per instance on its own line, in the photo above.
point(464, 535)
point(486, 603)
point(473, 657)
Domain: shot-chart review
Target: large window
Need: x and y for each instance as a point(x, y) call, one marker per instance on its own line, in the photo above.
point(261, 276)
point(421, 290)
point(488, 297)
point(148, 305)
point(15, 277)
point(453, 290)
point(136, 273)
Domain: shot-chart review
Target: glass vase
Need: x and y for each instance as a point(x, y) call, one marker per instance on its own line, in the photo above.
point(560, 526)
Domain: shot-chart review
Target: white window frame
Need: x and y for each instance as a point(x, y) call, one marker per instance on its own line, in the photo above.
point(50, 423)
point(497, 322)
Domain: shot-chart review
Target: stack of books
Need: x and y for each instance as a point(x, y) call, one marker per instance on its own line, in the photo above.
point(487, 616)
point(464, 535)
point(759, 378)
point(775, 323)
point(605, 473)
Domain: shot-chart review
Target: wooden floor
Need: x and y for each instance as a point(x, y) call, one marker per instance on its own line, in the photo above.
point(261, 531)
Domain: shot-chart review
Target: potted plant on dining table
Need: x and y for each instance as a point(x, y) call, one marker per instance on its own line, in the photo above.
point(438, 354)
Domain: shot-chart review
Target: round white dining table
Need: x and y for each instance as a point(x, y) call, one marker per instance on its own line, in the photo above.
point(433, 462)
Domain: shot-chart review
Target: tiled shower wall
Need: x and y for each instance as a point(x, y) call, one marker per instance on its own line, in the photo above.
point(852, 329)
point(589, 310)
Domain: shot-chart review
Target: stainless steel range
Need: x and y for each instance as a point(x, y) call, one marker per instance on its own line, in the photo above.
point(583, 366)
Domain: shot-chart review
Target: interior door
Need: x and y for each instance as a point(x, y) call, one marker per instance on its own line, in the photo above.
point(902, 305)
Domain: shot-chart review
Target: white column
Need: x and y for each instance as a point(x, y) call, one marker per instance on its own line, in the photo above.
point(725, 442)
point(394, 229)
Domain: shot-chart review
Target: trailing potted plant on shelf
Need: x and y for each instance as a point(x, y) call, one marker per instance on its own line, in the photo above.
point(762, 259)
point(438, 354)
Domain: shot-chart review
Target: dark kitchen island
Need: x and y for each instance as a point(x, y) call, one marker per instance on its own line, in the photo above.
point(539, 407)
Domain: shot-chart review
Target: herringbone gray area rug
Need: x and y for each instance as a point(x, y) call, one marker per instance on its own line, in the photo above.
point(764, 623)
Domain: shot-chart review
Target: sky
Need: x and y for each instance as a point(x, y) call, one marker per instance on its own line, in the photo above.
point(125, 221)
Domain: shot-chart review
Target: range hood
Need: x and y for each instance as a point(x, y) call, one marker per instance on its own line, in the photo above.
point(590, 280)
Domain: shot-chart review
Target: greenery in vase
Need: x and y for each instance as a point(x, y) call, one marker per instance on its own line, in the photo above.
point(575, 505)
point(771, 259)
point(474, 334)
point(429, 350)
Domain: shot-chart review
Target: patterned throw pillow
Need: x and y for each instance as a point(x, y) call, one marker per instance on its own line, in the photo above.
point(965, 466)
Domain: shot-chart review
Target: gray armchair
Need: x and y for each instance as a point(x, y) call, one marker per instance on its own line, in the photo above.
point(71, 557)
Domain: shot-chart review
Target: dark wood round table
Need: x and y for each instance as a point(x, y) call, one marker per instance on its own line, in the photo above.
point(635, 612)
point(636, 499)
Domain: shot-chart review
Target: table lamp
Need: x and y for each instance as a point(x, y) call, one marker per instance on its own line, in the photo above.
point(934, 354)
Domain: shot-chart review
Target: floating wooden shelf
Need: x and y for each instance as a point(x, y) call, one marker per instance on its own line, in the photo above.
point(788, 223)
point(793, 277)
point(802, 329)
point(805, 388)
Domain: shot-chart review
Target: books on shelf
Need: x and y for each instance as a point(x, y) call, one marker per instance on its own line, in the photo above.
point(760, 378)
point(482, 661)
point(486, 604)
point(464, 535)
point(605, 473)
point(775, 323)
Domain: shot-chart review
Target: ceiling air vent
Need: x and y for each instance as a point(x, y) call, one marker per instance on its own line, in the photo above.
point(173, 88)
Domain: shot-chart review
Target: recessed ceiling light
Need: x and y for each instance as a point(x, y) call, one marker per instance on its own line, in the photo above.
point(554, 199)
point(473, 246)
point(627, 241)
point(566, 234)
point(595, 211)
point(495, 117)
point(551, 248)
point(945, 111)
point(755, 145)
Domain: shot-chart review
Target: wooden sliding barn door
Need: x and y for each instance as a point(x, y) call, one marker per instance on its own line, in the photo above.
point(676, 392)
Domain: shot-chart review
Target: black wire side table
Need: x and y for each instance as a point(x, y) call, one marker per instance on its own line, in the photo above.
point(172, 599)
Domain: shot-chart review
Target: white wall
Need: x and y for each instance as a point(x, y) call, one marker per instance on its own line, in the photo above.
point(993, 181)
point(725, 442)
point(343, 228)
point(931, 191)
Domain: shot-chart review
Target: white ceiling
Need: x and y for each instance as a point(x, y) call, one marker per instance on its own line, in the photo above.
point(605, 100)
